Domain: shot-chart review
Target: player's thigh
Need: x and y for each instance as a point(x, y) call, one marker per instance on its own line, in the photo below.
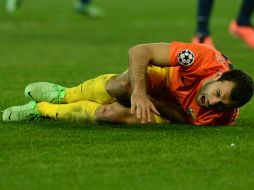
point(157, 82)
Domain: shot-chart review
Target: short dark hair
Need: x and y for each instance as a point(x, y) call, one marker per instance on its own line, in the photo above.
point(243, 88)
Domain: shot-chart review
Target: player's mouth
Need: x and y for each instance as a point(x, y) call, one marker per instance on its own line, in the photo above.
point(203, 101)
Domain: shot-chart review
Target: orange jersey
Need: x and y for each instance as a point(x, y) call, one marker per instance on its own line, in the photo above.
point(192, 64)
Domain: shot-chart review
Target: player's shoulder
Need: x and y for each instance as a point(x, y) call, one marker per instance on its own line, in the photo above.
point(196, 56)
point(195, 49)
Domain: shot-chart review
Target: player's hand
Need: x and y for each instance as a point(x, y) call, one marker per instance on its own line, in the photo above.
point(142, 105)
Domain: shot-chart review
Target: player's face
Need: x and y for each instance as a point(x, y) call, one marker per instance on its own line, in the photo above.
point(216, 94)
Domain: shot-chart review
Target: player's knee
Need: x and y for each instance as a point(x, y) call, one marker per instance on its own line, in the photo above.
point(119, 86)
point(107, 113)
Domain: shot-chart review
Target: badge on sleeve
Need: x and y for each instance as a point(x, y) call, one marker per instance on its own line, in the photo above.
point(185, 57)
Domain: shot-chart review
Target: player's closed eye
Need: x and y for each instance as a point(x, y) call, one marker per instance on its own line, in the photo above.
point(218, 93)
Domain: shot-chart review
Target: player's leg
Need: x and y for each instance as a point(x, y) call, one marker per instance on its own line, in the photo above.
point(75, 112)
point(103, 89)
point(244, 17)
point(87, 8)
point(93, 89)
point(241, 27)
point(203, 16)
point(83, 112)
point(116, 113)
point(117, 86)
point(87, 112)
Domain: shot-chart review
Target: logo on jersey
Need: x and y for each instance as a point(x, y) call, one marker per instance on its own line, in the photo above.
point(191, 112)
point(185, 57)
point(220, 59)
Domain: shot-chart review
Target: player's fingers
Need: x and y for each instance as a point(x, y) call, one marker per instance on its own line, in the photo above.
point(143, 119)
point(154, 109)
point(133, 108)
point(148, 112)
point(139, 111)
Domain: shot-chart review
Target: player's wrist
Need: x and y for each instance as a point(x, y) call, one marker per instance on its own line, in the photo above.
point(139, 92)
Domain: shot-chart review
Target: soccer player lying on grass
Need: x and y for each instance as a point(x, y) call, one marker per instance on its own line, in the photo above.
point(165, 82)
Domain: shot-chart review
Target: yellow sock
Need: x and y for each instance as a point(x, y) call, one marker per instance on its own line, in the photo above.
point(93, 90)
point(82, 111)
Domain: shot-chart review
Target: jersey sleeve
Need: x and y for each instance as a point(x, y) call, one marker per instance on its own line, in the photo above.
point(190, 56)
point(226, 118)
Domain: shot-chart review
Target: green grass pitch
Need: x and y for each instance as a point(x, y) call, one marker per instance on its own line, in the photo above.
point(47, 41)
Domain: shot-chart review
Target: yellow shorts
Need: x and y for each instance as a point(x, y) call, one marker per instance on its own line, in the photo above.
point(159, 119)
point(158, 83)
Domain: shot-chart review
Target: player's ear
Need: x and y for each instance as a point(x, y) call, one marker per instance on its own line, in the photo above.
point(217, 76)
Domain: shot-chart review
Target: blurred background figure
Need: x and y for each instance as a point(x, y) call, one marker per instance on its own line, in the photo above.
point(87, 8)
point(12, 5)
point(240, 27)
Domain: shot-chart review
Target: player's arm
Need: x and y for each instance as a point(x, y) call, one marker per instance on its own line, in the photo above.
point(140, 57)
